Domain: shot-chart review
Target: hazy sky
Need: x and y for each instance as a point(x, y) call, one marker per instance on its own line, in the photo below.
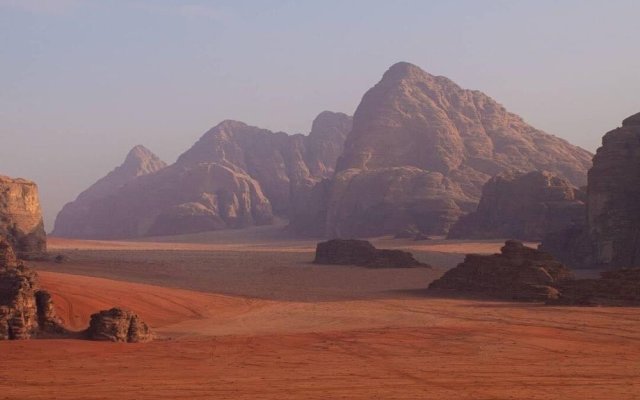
point(82, 82)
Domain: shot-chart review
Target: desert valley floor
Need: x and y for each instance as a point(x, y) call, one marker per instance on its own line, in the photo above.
point(246, 315)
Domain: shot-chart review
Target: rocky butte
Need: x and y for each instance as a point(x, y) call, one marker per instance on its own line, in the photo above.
point(21, 217)
point(235, 176)
point(419, 152)
point(524, 206)
point(609, 236)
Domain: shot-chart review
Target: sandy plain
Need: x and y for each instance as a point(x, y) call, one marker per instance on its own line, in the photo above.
point(242, 317)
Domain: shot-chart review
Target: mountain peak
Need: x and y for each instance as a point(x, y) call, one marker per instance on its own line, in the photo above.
point(403, 69)
point(141, 161)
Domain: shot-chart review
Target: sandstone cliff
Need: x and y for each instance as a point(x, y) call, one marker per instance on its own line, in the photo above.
point(613, 216)
point(21, 217)
point(524, 206)
point(413, 121)
point(609, 236)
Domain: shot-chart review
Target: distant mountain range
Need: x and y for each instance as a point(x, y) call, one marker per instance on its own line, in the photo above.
point(415, 155)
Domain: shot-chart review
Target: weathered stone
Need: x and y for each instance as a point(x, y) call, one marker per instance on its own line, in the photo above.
point(362, 253)
point(609, 237)
point(524, 206)
point(613, 217)
point(413, 121)
point(517, 273)
point(118, 325)
point(21, 217)
point(25, 309)
point(614, 288)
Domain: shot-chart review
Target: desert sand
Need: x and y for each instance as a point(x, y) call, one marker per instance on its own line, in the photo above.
point(257, 320)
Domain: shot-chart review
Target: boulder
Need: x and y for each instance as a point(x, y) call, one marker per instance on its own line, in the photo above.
point(517, 273)
point(21, 217)
point(118, 325)
point(362, 253)
point(523, 206)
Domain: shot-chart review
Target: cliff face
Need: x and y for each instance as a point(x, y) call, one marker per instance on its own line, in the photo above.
point(234, 176)
point(412, 121)
point(524, 206)
point(613, 216)
point(21, 217)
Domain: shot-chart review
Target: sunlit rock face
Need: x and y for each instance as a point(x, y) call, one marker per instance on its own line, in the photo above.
point(21, 216)
point(412, 121)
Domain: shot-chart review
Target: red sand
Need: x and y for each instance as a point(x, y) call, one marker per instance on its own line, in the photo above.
point(403, 347)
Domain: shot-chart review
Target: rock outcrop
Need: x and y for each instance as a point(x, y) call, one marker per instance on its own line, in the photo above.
point(614, 288)
point(524, 206)
point(362, 253)
point(609, 236)
point(235, 176)
point(447, 140)
point(21, 217)
point(118, 325)
point(25, 309)
point(517, 273)
point(613, 216)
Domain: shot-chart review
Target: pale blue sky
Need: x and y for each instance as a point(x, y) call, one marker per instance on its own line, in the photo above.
point(82, 82)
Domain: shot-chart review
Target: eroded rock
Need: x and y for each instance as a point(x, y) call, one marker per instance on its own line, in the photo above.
point(524, 206)
point(421, 148)
point(362, 253)
point(118, 325)
point(25, 309)
point(21, 217)
point(517, 273)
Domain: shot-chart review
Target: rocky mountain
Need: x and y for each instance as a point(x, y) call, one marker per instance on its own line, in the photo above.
point(420, 150)
point(74, 215)
point(21, 217)
point(234, 176)
point(524, 206)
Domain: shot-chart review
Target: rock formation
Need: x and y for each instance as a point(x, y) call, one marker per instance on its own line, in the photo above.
point(21, 217)
point(362, 253)
point(613, 216)
point(524, 206)
point(25, 309)
point(419, 152)
point(609, 236)
point(118, 325)
point(614, 288)
point(517, 273)
point(235, 176)
point(73, 219)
